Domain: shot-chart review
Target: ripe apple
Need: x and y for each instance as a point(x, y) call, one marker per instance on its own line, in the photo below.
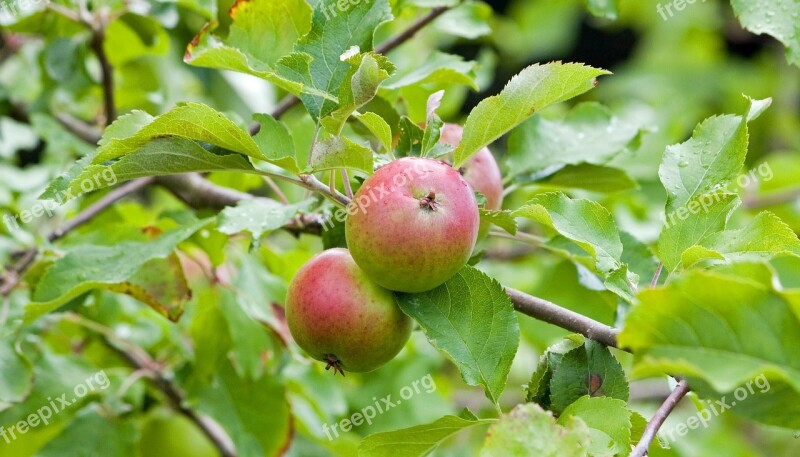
point(480, 171)
point(413, 224)
point(337, 315)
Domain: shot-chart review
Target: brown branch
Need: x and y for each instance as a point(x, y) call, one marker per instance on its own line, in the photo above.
point(553, 314)
point(107, 71)
point(660, 416)
point(141, 360)
point(198, 192)
point(99, 206)
point(409, 33)
point(79, 128)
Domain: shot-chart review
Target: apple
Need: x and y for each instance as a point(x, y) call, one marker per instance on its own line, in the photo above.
point(339, 316)
point(480, 171)
point(413, 224)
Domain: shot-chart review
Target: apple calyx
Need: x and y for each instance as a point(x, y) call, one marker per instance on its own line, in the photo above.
point(333, 362)
point(429, 202)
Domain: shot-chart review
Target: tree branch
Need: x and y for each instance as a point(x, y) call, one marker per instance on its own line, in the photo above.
point(553, 314)
point(412, 30)
point(141, 360)
point(107, 71)
point(660, 416)
point(198, 192)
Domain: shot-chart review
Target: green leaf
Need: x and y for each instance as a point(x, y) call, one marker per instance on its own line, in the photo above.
point(249, 339)
point(532, 90)
point(160, 157)
point(378, 126)
point(16, 378)
point(139, 145)
point(591, 370)
point(471, 320)
point(92, 433)
point(503, 219)
point(761, 240)
point(417, 441)
point(360, 86)
point(590, 177)
point(438, 67)
point(609, 421)
point(686, 227)
point(586, 223)
point(340, 152)
point(275, 142)
point(603, 8)
point(411, 136)
point(194, 121)
point(239, 406)
point(261, 33)
point(318, 61)
point(541, 144)
point(777, 18)
point(722, 332)
point(468, 20)
point(132, 36)
point(258, 216)
point(538, 390)
point(89, 267)
point(708, 161)
point(529, 430)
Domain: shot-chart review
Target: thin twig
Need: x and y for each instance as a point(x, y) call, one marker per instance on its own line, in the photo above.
point(658, 419)
point(99, 206)
point(277, 190)
point(412, 30)
point(141, 360)
point(106, 70)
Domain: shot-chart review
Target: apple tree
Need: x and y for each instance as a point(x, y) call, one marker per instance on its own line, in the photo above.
point(399, 228)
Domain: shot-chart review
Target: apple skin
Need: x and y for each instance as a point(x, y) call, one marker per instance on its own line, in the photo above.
point(401, 242)
point(337, 315)
point(480, 171)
